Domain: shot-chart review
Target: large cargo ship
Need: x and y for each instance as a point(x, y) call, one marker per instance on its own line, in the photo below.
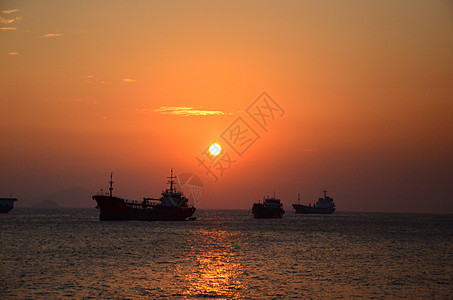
point(172, 206)
point(6, 204)
point(323, 206)
point(271, 208)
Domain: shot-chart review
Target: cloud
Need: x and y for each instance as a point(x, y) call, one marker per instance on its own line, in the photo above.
point(189, 111)
point(6, 21)
point(129, 80)
point(93, 79)
point(9, 21)
point(10, 11)
point(49, 35)
point(13, 53)
point(7, 28)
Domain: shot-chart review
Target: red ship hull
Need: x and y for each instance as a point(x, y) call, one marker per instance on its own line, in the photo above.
point(118, 209)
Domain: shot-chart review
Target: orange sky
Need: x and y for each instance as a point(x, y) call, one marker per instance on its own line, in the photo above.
point(366, 87)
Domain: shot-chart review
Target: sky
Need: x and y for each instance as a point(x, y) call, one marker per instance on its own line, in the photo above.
point(352, 97)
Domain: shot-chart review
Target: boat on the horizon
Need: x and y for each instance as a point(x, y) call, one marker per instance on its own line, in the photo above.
point(271, 208)
point(7, 204)
point(171, 206)
point(323, 206)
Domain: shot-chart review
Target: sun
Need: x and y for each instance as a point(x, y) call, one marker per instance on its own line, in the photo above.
point(215, 149)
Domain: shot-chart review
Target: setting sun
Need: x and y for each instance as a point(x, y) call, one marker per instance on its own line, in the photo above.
point(215, 149)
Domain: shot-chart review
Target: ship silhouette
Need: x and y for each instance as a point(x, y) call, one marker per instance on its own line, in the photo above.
point(271, 208)
point(7, 204)
point(171, 206)
point(323, 206)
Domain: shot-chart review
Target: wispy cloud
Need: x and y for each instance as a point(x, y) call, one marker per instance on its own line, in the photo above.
point(129, 80)
point(13, 53)
point(93, 79)
point(189, 111)
point(7, 28)
point(9, 11)
point(9, 21)
point(49, 35)
point(6, 21)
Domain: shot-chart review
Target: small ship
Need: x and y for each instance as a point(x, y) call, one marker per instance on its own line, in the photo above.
point(271, 208)
point(6, 204)
point(172, 206)
point(323, 206)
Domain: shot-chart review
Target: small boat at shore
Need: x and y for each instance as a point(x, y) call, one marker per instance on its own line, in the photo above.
point(172, 206)
point(323, 206)
point(271, 208)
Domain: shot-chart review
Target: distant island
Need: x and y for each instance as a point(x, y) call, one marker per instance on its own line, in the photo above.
point(47, 204)
point(69, 198)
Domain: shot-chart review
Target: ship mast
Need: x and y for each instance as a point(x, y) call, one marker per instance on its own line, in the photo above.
point(325, 194)
point(111, 184)
point(171, 181)
point(298, 198)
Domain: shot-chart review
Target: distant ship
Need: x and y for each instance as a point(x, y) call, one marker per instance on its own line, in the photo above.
point(323, 206)
point(6, 204)
point(172, 206)
point(271, 208)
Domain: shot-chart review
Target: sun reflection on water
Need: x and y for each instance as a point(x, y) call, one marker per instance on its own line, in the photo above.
point(215, 270)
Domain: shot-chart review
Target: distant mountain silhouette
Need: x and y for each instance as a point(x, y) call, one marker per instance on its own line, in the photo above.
point(72, 198)
point(46, 204)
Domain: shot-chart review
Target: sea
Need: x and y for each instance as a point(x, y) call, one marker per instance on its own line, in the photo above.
point(226, 254)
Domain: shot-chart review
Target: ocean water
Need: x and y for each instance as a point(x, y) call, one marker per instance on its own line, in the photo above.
point(69, 253)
